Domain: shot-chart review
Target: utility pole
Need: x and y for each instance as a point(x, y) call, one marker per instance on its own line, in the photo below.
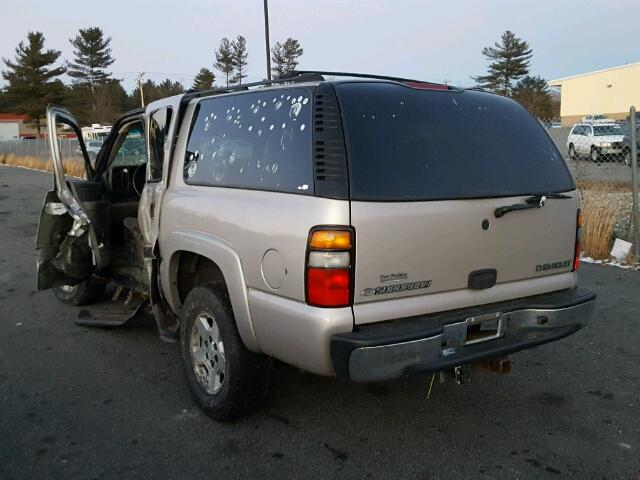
point(266, 38)
point(140, 88)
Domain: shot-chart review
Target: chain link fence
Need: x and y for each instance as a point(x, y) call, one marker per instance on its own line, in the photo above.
point(34, 153)
point(39, 148)
point(599, 154)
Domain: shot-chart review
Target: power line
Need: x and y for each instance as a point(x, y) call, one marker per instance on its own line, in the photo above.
point(168, 74)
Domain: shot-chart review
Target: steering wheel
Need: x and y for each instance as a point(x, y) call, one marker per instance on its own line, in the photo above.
point(137, 180)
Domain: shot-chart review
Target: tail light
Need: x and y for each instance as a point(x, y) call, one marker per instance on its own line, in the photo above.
point(329, 274)
point(576, 251)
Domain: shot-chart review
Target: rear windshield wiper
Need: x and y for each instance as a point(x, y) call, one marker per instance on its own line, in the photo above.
point(534, 201)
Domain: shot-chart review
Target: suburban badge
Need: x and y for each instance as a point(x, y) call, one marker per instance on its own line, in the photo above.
point(399, 287)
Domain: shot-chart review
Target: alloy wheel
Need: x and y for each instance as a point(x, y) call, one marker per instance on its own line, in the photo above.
point(207, 353)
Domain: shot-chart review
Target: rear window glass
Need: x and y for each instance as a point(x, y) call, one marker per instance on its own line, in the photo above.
point(411, 144)
point(257, 140)
point(604, 130)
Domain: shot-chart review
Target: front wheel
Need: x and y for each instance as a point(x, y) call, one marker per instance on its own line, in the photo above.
point(572, 152)
point(83, 293)
point(595, 154)
point(224, 377)
point(627, 159)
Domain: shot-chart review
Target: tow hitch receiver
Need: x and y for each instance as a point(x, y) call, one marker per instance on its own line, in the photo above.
point(501, 366)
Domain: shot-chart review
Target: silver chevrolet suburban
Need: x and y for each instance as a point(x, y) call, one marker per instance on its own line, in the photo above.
point(353, 225)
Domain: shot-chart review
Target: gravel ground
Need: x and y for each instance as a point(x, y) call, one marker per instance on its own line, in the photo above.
point(95, 403)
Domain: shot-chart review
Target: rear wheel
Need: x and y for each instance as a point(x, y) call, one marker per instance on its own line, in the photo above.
point(572, 152)
point(224, 377)
point(83, 293)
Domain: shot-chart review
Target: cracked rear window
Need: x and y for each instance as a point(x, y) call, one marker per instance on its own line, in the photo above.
point(259, 140)
point(414, 144)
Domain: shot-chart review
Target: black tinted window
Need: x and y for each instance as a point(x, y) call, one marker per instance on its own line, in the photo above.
point(158, 132)
point(257, 140)
point(412, 144)
point(603, 130)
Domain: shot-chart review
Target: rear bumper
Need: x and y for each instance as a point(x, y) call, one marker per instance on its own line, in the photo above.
point(439, 341)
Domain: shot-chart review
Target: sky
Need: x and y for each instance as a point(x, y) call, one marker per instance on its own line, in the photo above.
point(427, 40)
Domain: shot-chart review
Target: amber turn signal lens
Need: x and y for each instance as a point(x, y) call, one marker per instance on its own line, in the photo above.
point(330, 240)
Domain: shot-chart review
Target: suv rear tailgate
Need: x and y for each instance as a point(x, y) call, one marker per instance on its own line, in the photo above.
point(427, 171)
point(437, 245)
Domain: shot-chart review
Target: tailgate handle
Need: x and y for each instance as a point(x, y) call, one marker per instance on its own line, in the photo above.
point(480, 279)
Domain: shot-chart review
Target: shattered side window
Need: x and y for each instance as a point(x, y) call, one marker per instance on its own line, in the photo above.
point(256, 140)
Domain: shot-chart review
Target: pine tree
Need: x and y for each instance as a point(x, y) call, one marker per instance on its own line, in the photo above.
point(278, 61)
point(533, 94)
point(92, 56)
point(240, 54)
point(151, 93)
point(204, 80)
point(169, 88)
point(224, 58)
point(111, 100)
point(285, 56)
point(32, 78)
point(509, 62)
point(5, 104)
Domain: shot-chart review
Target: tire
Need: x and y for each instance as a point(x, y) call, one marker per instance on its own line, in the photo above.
point(572, 152)
point(83, 293)
point(594, 155)
point(627, 159)
point(224, 377)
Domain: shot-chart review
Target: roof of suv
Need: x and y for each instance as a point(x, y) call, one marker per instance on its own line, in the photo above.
point(314, 78)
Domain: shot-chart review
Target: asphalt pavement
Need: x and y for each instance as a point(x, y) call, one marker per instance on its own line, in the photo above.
point(81, 402)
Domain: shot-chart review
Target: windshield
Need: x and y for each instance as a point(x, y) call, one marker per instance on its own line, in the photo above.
point(409, 144)
point(601, 130)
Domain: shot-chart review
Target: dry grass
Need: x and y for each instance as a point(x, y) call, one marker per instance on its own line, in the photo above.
point(603, 204)
point(73, 166)
point(603, 186)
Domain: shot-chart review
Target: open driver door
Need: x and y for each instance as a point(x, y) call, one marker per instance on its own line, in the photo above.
point(73, 240)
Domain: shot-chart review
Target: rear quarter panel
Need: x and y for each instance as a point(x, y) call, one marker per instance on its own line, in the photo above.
point(243, 224)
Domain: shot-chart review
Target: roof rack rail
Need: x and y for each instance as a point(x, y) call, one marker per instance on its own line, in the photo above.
point(299, 76)
point(295, 77)
point(362, 75)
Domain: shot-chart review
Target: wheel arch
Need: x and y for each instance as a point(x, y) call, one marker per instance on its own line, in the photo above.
point(199, 258)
